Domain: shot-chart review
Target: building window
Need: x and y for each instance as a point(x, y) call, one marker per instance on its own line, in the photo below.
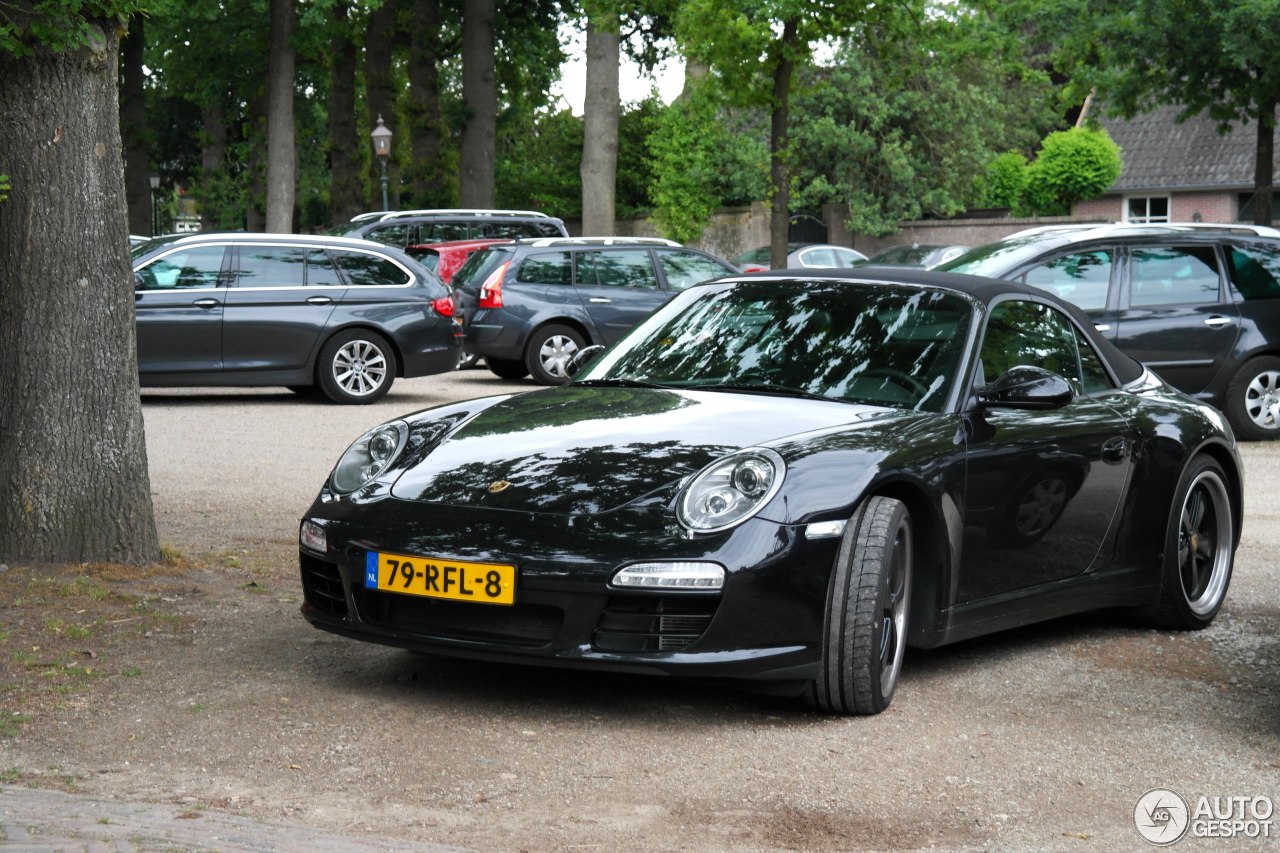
point(1146, 209)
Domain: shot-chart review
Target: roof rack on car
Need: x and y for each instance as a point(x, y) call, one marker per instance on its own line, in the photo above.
point(1098, 229)
point(372, 214)
point(275, 237)
point(599, 241)
point(395, 214)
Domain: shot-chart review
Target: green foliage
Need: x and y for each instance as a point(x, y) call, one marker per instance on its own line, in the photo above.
point(1003, 182)
point(60, 25)
point(4, 187)
point(1072, 165)
point(537, 168)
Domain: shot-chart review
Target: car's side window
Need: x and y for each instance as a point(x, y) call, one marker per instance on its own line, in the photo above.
point(547, 268)
point(1082, 279)
point(391, 235)
point(365, 270)
point(1093, 375)
point(1032, 334)
point(272, 266)
point(186, 268)
point(685, 269)
point(1255, 270)
point(818, 258)
point(321, 271)
point(617, 268)
point(440, 232)
point(1173, 275)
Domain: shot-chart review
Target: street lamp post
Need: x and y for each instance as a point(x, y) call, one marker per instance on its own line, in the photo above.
point(382, 148)
point(155, 188)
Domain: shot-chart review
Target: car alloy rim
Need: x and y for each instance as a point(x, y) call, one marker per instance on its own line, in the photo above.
point(1204, 543)
point(1262, 400)
point(1041, 506)
point(555, 354)
point(359, 368)
point(897, 583)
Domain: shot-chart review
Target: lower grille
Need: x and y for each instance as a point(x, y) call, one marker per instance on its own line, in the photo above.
point(657, 624)
point(322, 586)
point(525, 625)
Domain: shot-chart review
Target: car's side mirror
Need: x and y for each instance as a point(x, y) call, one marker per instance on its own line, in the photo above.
point(581, 359)
point(1027, 387)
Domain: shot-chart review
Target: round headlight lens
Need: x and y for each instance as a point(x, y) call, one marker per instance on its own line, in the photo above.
point(369, 456)
point(730, 490)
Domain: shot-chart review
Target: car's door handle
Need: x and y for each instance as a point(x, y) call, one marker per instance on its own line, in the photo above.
point(1115, 449)
point(206, 303)
point(319, 300)
point(1218, 322)
point(600, 300)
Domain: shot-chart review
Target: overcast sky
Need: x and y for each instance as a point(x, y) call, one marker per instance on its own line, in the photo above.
point(633, 84)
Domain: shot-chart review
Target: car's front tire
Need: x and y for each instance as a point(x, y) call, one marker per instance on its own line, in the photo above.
point(507, 368)
point(1253, 399)
point(1199, 550)
point(356, 367)
point(549, 351)
point(868, 600)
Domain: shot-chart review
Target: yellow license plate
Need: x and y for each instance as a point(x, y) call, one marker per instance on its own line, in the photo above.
point(433, 577)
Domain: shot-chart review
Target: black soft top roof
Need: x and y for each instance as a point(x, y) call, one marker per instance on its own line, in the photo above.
point(984, 290)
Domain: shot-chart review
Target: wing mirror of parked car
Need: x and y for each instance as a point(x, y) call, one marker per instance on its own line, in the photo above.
point(1027, 387)
point(581, 359)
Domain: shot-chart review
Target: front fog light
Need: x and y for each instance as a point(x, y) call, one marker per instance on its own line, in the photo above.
point(690, 575)
point(730, 490)
point(312, 537)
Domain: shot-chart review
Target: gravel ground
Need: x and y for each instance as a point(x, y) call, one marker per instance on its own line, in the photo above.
point(230, 707)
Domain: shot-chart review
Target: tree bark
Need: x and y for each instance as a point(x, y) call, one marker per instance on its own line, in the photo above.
point(1264, 164)
point(133, 129)
point(779, 168)
point(74, 485)
point(379, 37)
point(346, 193)
point(599, 168)
point(427, 178)
point(480, 92)
point(282, 166)
point(213, 156)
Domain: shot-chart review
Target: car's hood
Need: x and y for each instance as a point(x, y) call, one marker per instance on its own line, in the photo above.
point(574, 449)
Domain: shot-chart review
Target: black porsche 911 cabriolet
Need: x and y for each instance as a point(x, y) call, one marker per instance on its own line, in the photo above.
point(787, 478)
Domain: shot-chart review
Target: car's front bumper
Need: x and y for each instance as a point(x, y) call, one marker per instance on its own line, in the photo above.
point(764, 625)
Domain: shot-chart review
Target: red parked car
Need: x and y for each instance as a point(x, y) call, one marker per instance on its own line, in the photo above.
point(444, 259)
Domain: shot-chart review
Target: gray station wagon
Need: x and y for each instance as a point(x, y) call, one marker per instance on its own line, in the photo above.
point(342, 316)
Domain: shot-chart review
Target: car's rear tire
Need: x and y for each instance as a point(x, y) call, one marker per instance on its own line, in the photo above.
point(356, 367)
point(868, 600)
point(1199, 550)
point(1253, 399)
point(507, 368)
point(549, 351)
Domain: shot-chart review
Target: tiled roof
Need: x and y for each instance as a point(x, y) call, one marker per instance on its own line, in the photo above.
point(1160, 153)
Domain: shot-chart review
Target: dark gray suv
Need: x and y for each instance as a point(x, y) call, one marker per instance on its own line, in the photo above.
point(1197, 303)
point(342, 316)
point(402, 228)
point(529, 305)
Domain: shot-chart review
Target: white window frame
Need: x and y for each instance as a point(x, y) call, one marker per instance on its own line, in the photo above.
point(1148, 218)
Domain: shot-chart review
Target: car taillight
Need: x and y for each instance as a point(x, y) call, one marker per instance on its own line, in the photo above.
point(444, 306)
point(491, 290)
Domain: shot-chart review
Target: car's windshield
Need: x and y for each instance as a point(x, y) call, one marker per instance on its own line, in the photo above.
point(995, 260)
point(887, 345)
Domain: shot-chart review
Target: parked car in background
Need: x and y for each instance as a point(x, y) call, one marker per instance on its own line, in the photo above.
point(800, 255)
point(1198, 303)
point(530, 305)
point(444, 259)
point(402, 228)
point(919, 255)
point(342, 316)
point(787, 480)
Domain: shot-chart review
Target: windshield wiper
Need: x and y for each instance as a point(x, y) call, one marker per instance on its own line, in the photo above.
point(621, 383)
point(766, 387)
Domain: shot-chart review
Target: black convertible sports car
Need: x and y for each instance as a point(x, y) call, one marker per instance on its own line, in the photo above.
point(787, 478)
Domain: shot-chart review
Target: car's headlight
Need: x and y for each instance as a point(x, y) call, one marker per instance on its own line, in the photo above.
point(730, 490)
point(369, 456)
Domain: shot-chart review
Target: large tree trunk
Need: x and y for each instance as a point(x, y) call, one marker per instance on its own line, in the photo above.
point(282, 166)
point(346, 192)
point(213, 157)
point(133, 129)
point(599, 167)
point(379, 37)
point(779, 168)
point(1264, 164)
point(427, 178)
point(73, 459)
point(480, 91)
